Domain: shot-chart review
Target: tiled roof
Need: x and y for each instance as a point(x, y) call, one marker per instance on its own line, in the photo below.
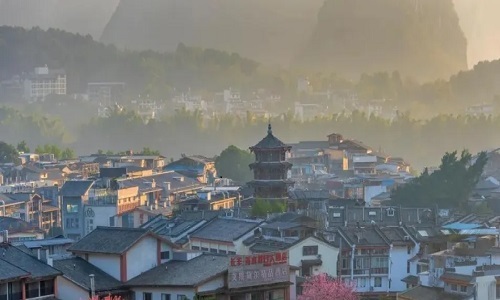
point(456, 277)
point(14, 225)
point(269, 142)
point(110, 240)
point(411, 279)
point(176, 184)
point(264, 245)
point(183, 273)
point(225, 229)
point(77, 270)
point(428, 293)
point(75, 188)
point(10, 272)
point(25, 262)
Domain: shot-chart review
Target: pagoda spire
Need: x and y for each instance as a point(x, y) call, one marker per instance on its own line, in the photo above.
point(269, 130)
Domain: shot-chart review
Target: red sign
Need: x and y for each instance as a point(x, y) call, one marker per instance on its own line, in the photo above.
point(258, 269)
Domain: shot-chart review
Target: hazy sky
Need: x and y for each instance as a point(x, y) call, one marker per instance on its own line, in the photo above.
point(480, 22)
point(478, 18)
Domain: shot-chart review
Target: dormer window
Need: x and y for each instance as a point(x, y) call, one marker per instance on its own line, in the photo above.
point(390, 212)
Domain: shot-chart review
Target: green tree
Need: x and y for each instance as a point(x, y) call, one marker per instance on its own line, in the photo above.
point(148, 151)
point(8, 153)
point(234, 163)
point(23, 147)
point(449, 186)
point(68, 153)
point(262, 207)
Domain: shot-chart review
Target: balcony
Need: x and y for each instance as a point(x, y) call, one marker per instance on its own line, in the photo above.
point(380, 271)
point(102, 197)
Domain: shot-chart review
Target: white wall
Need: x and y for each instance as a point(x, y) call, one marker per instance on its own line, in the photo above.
point(329, 256)
point(156, 292)
point(399, 259)
point(142, 257)
point(68, 290)
point(101, 216)
point(486, 288)
point(107, 262)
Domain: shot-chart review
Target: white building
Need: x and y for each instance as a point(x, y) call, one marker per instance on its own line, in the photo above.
point(43, 82)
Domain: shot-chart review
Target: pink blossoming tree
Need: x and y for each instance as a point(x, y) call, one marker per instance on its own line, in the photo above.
point(322, 287)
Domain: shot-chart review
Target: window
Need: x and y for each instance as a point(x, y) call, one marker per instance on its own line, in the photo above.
point(231, 252)
point(378, 282)
point(361, 283)
point(112, 221)
point(222, 251)
point(212, 250)
point(147, 296)
point(454, 287)
point(195, 248)
point(182, 297)
point(463, 289)
point(46, 287)
point(165, 296)
point(70, 208)
point(408, 267)
point(165, 255)
point(310, 250)
point(204, 249)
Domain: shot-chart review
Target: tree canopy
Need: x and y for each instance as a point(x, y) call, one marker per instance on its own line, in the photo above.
point(234, 163)
point(449, 186)
point(59, 153)
point(321, 286)
point(262, 207)
point(8, 153)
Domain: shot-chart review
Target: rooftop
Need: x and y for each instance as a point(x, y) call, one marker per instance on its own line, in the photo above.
point(225, 229)
point(77, 270)
point(270, 141)
point(24, 263)
point(109, 240)
point(75, 188)
point(183, 273)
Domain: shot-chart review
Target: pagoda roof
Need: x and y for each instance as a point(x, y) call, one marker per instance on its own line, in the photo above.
point(270, 141)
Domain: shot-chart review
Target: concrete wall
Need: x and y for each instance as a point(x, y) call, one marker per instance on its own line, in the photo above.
point(68, 290)
point(486, 288)
point(142, 257)
point(106, 262)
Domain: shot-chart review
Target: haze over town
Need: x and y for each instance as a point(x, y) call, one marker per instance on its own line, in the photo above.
point(249, 149)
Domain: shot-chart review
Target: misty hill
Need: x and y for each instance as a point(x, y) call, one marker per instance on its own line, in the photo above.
point(85, 17)
point(418, 38)
point(269, 31)
point(86, 60)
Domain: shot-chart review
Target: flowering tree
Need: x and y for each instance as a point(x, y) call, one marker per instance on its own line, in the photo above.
point(322, 287)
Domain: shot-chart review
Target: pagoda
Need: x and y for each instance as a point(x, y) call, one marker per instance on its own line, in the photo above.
point(270, 168)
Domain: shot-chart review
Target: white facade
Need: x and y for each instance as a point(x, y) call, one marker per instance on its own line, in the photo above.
point(400, 255)
point(109, 263)
point(44, 82)
point(327, 253)
point(140, 257)
point(67, 289)
point(94, 216)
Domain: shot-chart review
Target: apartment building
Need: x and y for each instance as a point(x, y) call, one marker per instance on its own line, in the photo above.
point(43, 82)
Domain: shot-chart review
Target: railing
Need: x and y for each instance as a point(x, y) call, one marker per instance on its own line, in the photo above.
point(380, 270)
point(103, 200)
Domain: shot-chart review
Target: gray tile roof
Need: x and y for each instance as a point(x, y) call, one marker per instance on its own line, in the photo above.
point(176, 185)
point(78, 270)
point(429, 293)
point(110, 240)
point(183, 273)
point(225, 229)
point(269, 142)
point(75, 188)
point(456, 276)
point(11, 272)
point(26, 262)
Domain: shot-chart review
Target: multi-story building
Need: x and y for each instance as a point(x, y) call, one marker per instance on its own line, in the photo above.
point(43, 82)
point(195, 166)
point(270, 168)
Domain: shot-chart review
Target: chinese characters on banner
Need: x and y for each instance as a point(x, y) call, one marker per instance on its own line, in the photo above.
point(258, 269)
